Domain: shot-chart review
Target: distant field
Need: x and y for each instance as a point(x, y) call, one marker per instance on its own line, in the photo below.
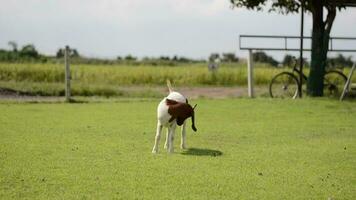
point(195, 74)
point(106, 80)
point(244, 149)
point(87, 80)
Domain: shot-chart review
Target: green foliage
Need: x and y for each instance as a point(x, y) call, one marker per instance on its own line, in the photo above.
point(13, 45)
point(213, 57)
point(291, 61)
point(340, 61)
point(295, 149)
point(192, 74)
point(229, 57)
point(130, 58)
point(320, 33)
point(73, 53)
point(90, 79)
point(224, 57)
point(29, 51)
point(8, 56)
point(285, 6)
point(262, 57)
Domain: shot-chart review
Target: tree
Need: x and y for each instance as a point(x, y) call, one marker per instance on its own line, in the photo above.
point(213, 56)
point(73, 53)
point(13, 45)
point(60, 53)
point(262, 57)
point(320, 33)
point(165, 58)
point(291, 61)
point(29, 51)
point(130, 58)
point(229, 57)
point(339, 61)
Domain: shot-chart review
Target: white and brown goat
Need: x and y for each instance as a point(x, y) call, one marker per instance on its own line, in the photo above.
point(173, 110)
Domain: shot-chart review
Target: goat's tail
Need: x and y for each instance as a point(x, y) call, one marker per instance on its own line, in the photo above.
point(169, 85)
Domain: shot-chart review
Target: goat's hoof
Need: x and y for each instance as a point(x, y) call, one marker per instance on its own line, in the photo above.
point(165, 146)
point(154, 151)
point(183, 147)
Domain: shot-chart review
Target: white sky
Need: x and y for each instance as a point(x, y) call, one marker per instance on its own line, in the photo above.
point(108, 28)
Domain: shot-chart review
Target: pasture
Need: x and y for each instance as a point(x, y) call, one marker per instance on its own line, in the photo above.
point(129, 81)
point(115, 80)
point(244, 149)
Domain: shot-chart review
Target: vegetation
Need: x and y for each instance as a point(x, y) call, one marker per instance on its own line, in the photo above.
point(262, 57)
point(320, 32)
point(225, 57)
point(302, 149)
point(87, 80)
point(26, 71)
point(339, 60)
point(27, 53)
point(73, 53)
point(290, 61)
point(109, 80)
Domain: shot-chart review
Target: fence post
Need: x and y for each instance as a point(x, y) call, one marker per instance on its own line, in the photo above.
point(250, 73)
point(67, 72)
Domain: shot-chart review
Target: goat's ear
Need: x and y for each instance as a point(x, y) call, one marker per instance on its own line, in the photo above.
point(180, 111)
point(180, 121)
point(170, 102)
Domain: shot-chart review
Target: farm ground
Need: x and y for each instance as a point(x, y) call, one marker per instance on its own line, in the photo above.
point(244, 149)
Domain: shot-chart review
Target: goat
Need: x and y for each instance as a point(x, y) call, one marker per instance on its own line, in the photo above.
point(173, 110)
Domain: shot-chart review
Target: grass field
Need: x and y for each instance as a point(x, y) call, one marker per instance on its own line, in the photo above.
point(188, 74)
point(106, 80)
point(244, 149)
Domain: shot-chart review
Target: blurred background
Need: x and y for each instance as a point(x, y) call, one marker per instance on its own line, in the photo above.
point(130, 47)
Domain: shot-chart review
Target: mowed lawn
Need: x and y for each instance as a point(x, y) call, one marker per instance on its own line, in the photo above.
point(244, 149)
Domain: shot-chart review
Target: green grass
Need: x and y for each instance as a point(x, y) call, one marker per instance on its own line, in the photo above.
point(244, 149)
point(105, 80)
point(190, 74)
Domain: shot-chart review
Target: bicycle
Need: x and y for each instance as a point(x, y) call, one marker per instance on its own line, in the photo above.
point(285, 84)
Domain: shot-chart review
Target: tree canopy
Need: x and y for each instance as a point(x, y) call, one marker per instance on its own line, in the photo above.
point(286, 6)
point(322, 25)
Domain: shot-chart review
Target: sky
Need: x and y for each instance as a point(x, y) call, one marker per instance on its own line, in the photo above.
point(190, 28)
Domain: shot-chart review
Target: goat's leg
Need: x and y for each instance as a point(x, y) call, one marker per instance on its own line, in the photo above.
point(166, 143)
point(183, 132)
point(158, 136)
point(171, 137)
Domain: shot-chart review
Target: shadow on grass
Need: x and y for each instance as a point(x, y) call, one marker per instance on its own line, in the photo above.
point(202, 152)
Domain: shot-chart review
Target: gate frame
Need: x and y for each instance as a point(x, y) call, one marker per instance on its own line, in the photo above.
point(285, 38)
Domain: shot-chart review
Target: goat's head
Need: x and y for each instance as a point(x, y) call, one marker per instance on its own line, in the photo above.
point(180, 112)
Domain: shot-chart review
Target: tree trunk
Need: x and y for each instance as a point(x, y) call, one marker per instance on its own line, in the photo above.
point(315, 84)
point(320, 47)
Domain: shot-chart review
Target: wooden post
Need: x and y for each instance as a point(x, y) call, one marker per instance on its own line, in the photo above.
point(347, 84)
point(67, 73)
point(250, 73)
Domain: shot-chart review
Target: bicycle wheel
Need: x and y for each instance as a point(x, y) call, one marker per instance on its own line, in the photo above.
point(284, 85)
point(334, 82)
